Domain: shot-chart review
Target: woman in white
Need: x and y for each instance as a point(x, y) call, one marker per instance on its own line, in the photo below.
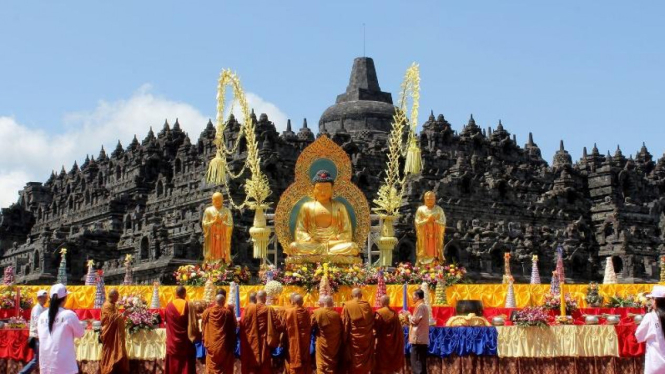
point(57, 329)
point(652, 331)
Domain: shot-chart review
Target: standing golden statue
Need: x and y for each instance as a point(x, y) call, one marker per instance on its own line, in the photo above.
point(323, 226)
point(217, 229)
point(430, 231)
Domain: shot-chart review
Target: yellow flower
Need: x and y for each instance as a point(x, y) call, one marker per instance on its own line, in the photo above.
point(184, 277)
point(304, 268)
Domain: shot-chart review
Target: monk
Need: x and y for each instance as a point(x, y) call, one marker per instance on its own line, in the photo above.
point(358, 322)
point(219, 337)
point(259, 334)
point(297, 324)
point(252, 297)
point(389, 353)
point(182, 332)
point(327, 324)
point(114, 354)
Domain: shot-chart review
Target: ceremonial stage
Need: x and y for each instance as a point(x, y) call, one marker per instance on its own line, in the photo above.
point(575, 348)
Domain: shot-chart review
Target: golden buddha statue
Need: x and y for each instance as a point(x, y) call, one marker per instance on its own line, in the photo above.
point(323, 226)
point(430, 231)
point(217, 226)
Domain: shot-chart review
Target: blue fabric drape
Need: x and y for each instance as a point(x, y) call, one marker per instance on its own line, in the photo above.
point(444, 342)
point(458, 341)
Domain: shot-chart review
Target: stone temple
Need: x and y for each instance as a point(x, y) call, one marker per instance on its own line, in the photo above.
point(147, 198)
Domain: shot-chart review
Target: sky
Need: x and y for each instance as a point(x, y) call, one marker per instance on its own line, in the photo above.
point(77, 75)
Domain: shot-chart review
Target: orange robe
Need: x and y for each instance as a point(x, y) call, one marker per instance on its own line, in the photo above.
point(181, 333)
point(219, 339)
point(389, 352)
point(358, 322)
point(298, 328)
point(114, 354)
point(259, 334)
point(327, 324)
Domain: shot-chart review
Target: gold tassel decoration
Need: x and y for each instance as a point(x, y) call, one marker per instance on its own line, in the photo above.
point(217, 169)
point(414, 162)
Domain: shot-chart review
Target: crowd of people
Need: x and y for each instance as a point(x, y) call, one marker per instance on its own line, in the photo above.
point(357, 340)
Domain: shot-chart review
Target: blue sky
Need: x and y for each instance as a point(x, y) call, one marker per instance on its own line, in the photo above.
point(78, 74)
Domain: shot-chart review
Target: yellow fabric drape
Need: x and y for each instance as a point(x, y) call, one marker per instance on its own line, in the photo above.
point(492, 295)
point(143, 345)
point(557, 341)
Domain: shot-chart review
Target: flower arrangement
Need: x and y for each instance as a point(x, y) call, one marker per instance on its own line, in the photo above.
point(16, 323)
point(220, 273)
point(629, 301)
point(430, 274)
point(593, 298)
point(139, 317)
point(532, 316)
point(644, 302)
point(553, 302)
point(8, 299)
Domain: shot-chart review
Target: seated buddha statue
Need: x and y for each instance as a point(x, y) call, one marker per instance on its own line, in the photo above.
point(323, 226)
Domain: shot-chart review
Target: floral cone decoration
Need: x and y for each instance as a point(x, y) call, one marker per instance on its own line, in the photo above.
point(555, 287)
point(209, 292)
point(610, 275)
point(273, 289)
point(380, 289)
point(324, 287)
point(91, 277)
point(100, 292)
point(535, 275)
point(62, 269)
point(559, 264)
point(232, 294)
point(8, 279)
point(154, 303)
point(510, 297)
point(129, 278)
point(506, 268)
point(440, 292)
point(662, 269)
point(425, 288)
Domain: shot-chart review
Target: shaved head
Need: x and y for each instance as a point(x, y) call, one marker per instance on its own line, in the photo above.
point(220, 299)
point(113, 295)
point(356, 293)
point(298, 300)
point(181, 292)
point(385, 301)
point(261, 296)
point(252, 297)
point(328, 301)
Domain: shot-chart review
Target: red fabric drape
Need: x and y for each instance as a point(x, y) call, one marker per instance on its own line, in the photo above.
point(14, 345)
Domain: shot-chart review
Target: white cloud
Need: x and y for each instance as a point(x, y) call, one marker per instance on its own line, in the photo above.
point(28, 154)
point(256, 102)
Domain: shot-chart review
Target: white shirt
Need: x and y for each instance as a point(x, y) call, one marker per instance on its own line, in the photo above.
point(34, 316)
point(650, 331)
point(419, 331)
point(57, 353)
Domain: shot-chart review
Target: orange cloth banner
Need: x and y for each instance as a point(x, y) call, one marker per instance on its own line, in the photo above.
point(492, 295)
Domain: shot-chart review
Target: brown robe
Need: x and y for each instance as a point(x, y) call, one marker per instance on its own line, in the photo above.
point(327, 324)
point(114, 353)
point(259, 334)
point(181, 333)
point(219, 339)
point(358, 322)
point(389, 354)
point(298, 328)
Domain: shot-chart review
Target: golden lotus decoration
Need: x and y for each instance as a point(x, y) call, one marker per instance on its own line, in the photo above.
point(257, 186)
point(323, 154)
point(389, 197)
